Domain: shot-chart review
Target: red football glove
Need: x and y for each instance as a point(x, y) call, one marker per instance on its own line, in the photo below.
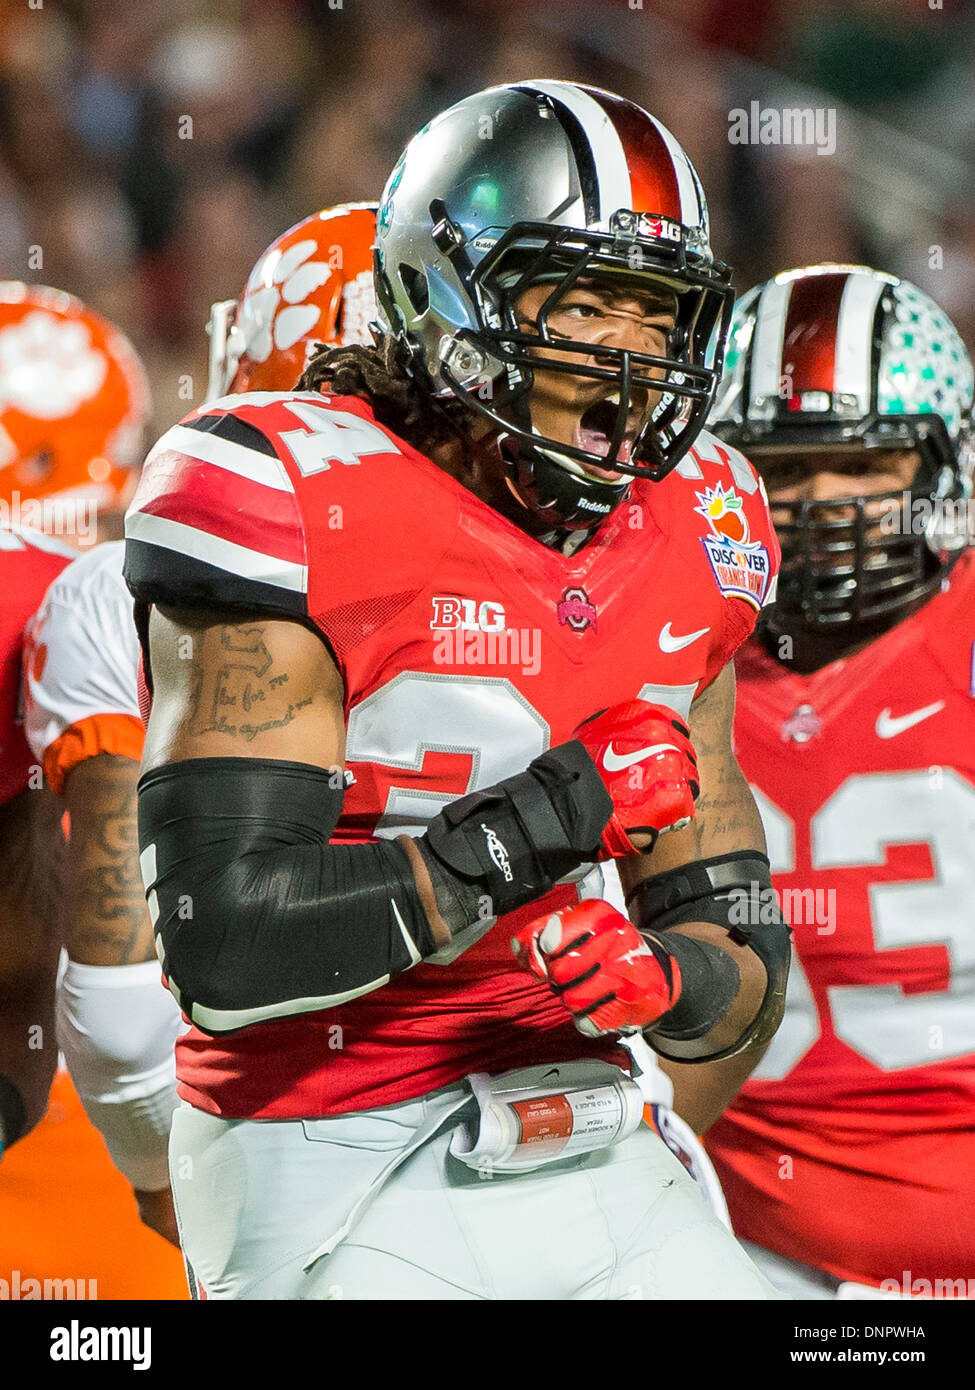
point(644, 756)
point(597, 962)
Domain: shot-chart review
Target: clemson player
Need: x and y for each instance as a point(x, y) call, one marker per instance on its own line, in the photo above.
point(117, 1026)
point(31, 855)
point(72, 406)
point(72, 403)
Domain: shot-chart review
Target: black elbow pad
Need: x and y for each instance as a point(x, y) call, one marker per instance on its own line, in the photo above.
point(256, 914)
point(733, 891)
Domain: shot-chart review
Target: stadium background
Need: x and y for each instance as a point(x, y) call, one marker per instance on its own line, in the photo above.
point(107, 190)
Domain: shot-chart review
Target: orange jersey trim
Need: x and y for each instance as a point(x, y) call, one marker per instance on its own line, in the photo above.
point(123, 734)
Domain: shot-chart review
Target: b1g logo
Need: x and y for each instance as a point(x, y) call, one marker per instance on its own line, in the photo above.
point(466, 614)
point(741, 567)
point(468, 633)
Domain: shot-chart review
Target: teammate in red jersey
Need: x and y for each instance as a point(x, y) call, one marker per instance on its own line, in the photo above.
point(849, 1155)
point(30, 837)
point(379, 615)
point(70, 400)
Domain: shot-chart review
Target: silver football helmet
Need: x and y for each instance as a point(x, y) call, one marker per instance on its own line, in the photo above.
point(549, 182)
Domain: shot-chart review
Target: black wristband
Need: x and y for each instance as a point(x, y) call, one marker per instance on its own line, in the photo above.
point(710, 981)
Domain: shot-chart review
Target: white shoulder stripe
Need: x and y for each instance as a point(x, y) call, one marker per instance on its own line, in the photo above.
point(224, 453)
point(214, 550)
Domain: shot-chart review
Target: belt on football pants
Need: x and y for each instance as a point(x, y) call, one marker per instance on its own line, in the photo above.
point(657, 1094)
point(426, 1131)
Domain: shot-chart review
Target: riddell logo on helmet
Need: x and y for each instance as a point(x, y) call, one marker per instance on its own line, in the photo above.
point(575, 610)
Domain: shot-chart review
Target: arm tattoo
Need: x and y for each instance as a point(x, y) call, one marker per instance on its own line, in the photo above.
point(726, 816)
point(244, 694)
point(110, 923)
point(725, 812)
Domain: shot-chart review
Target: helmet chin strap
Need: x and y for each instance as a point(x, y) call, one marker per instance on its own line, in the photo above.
point(576, 503)
point(563, 499)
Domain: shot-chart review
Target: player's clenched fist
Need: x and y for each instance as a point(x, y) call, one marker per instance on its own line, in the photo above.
point(606, 974)
point(645, 758)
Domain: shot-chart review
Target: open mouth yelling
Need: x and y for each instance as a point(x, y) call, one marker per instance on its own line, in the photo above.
point(595, 429)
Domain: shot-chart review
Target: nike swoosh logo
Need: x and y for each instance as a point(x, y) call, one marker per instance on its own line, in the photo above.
point(552, 1071)
point(616, 762)
point(670, 643)
point(634, 952)
point(890, 728)
point(408, 941)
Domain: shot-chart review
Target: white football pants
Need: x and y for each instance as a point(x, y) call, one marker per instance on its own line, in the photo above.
point(371, 1206)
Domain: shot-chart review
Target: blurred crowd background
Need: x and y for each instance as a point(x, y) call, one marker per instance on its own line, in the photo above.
point(296, 104)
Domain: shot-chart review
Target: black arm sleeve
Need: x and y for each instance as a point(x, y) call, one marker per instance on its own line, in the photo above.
point(260, 916)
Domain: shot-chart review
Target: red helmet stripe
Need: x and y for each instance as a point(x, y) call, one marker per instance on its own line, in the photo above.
point(654, 185)
point(809, 339)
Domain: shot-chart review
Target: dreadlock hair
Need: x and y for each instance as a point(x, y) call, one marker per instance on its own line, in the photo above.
point(385, 376)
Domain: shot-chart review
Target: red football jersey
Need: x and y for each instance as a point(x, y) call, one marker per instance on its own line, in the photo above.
point(29, 561)
point(852, 1146)
point(467, 648)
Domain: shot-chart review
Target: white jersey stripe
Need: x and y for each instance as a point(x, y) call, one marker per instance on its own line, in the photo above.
point(222, 1020)
point(767, 365)
point(615, 191)
point(214, 550)
point(225, 453)
point(690, 206)
point(852, 372)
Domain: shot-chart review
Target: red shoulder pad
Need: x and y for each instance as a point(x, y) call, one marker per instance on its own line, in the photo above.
point(29, 562)
point(287, 503)
point(215, 520)
point(721, 510)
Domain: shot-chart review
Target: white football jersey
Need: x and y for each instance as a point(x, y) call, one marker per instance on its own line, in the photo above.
point(82, 667)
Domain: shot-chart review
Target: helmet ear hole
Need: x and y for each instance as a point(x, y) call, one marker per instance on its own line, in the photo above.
point(415, 284)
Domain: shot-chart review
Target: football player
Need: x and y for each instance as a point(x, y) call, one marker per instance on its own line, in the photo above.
point(70, 407)
point(425, 639)
point(849, 1156)
point(117, 1027)
point(73, 409)
point(31, 854)
point(74, 406)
